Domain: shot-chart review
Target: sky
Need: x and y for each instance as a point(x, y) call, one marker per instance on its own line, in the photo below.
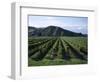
point(75, 24)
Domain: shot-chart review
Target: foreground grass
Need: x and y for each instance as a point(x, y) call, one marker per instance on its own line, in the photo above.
point(41, 48)
point(47, 62)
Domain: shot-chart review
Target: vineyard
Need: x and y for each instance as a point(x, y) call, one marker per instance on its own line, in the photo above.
point(43, 51)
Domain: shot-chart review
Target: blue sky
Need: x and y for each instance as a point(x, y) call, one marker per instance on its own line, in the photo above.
point(76, 24)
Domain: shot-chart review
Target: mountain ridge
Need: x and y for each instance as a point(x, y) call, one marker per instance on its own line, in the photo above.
point(51, 31)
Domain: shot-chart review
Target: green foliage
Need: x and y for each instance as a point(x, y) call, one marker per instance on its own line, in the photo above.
point(44, 51)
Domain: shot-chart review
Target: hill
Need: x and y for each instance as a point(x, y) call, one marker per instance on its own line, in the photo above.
point(51, 31)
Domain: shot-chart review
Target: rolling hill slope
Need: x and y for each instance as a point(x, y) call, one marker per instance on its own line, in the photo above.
point(51, 31)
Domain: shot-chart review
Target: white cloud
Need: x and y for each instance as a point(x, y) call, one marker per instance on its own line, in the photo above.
point(47, 22)
point(50, 18)
point(70, 23)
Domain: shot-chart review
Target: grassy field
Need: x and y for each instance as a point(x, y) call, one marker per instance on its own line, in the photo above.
point(44, 51)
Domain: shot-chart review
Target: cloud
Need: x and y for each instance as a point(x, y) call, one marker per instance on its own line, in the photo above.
point(46, 22)
point(76, 24)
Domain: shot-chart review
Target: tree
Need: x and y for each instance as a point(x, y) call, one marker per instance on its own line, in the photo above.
point(62, 33)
